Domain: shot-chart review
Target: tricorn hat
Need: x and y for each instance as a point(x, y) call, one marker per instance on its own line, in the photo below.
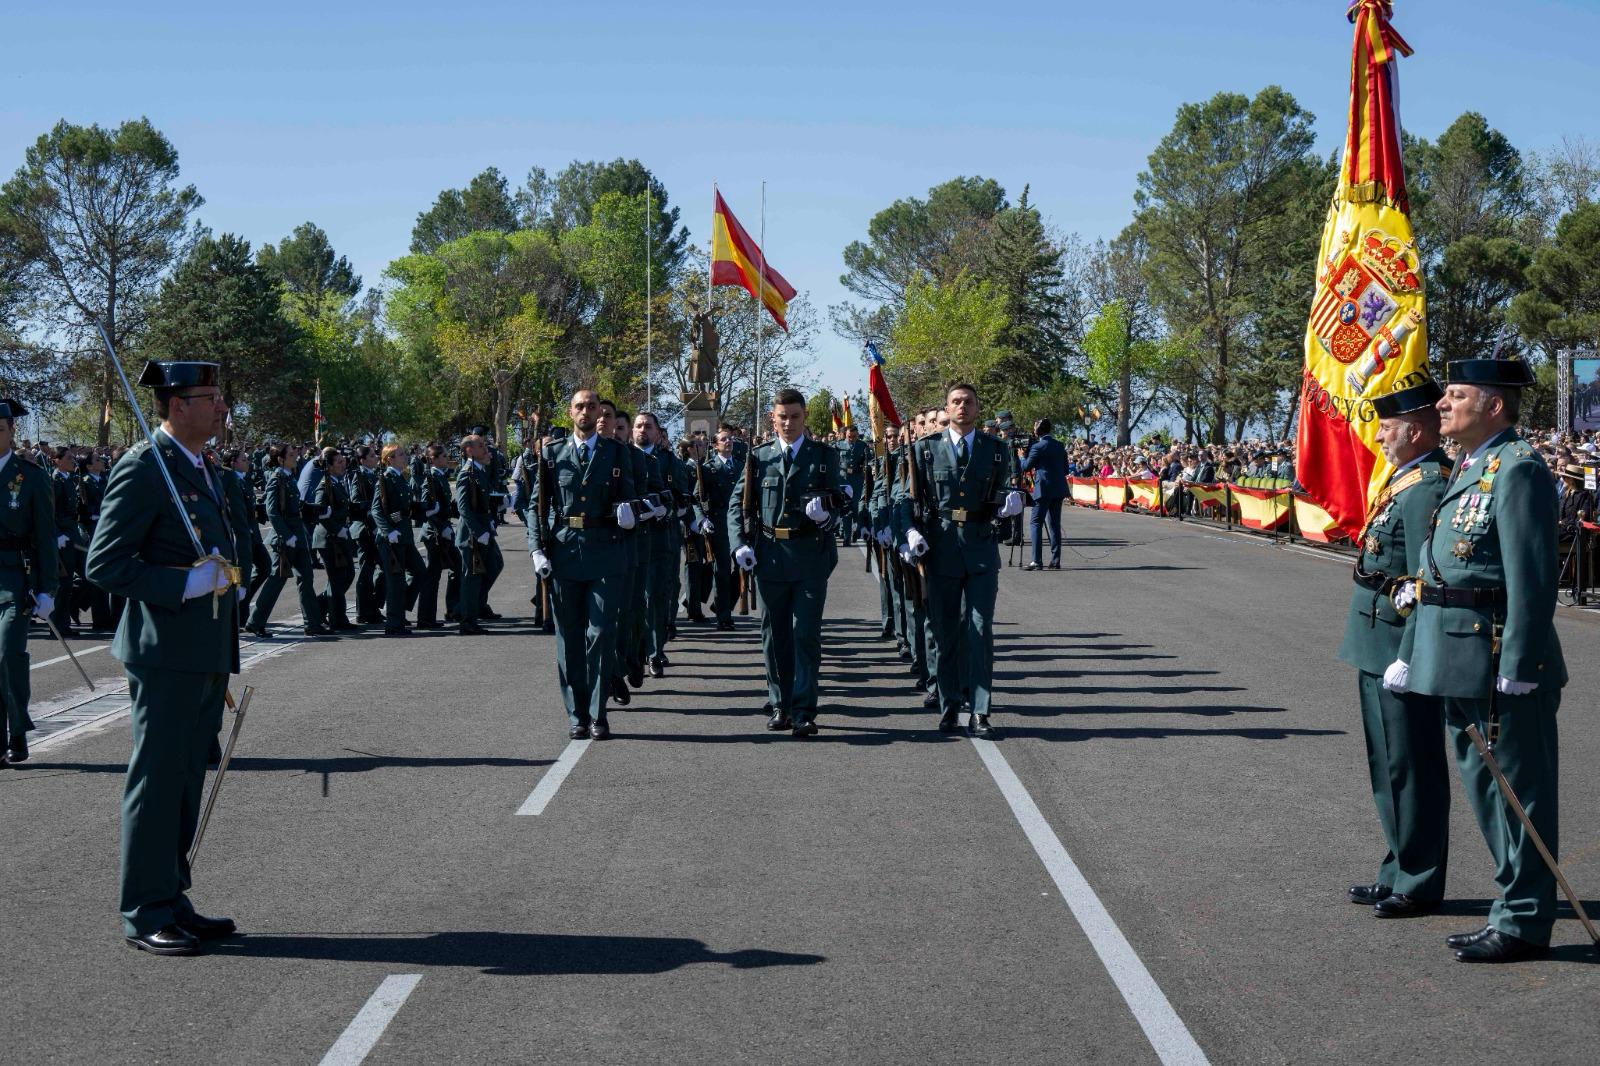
point(1404, 401)
point(10, 408)
point(1500, 373)
point(178, 375)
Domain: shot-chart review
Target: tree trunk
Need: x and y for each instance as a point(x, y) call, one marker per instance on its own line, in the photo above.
point(1124, 403)
point(108, 374)
point(503, 380)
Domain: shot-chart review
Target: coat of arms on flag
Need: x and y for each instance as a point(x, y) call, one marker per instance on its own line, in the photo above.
point(1357, 302)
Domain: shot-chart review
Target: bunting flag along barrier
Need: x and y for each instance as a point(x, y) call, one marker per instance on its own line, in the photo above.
point(1266, 510)
point(1367, 332)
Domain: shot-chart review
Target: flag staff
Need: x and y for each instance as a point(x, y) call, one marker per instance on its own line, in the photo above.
point(761, 305)
point(649, 355)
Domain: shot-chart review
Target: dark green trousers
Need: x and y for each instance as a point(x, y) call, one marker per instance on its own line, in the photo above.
point(586, 646)
point(791, 641)
point(299, 560)
point(661, 594)
point(475, 587)
point(176, 717)
point(961, 638)
point(1410, 785)
point(400, 562)
point(1527, 754)
point(15, 688)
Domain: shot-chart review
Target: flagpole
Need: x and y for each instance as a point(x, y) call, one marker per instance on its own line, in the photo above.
point(649, 354)
point(761, 305)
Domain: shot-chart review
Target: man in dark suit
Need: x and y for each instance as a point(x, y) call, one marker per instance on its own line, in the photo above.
point(1047, 459)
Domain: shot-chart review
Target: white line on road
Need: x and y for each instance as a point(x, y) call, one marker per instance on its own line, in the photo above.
point(79, 652)
point(364, 1031)
point(545, 791)
point(1171, 1039)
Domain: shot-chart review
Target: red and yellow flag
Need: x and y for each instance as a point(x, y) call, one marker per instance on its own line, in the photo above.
point(845, 420)
point(737, 260)
point(1366, 335)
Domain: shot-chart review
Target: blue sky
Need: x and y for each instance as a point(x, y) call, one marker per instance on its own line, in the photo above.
point(355, 116)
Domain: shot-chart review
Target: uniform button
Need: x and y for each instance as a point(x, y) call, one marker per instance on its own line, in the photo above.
point(1476, 626)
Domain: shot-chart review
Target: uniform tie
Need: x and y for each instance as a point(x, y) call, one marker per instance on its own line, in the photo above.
point(961, 455)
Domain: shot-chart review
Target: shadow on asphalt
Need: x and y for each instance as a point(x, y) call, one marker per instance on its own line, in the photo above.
point(1155, 732)
point(513, 954)
point(337, 764)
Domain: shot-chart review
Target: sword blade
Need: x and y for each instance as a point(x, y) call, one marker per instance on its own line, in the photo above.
point(68, 649)
point(222, 768)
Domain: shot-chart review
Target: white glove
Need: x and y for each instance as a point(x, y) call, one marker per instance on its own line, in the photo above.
point(541, 563)
point(327, 512)
point(1507, 687)
point(849, 492)
point(658, 511)
point(1395, 678)
point(483, 538)
point(394, 536)
point(916, 542)
point(815, 511)
point(1405, 595)
point(884, 538)
point(61, 540)
point(625, 518)
point(430, 512)
point(345, 532)
point(44, 603)
point(292, 541)
point(906, 556)
point(745, 557)
point(242, 592)
point(1013, 505)
point(682, 511)
point(706, 527)
point(205, 579)
point(449, 531)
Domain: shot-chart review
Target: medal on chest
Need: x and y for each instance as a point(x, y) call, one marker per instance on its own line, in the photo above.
point(16, 492)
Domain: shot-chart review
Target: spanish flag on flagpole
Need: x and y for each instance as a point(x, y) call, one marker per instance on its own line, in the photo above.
point(738, 260)
point(1366, 335)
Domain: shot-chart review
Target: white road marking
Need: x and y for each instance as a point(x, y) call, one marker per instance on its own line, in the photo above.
point(365, 1030)
point(545, 791)
point(80, 652)
point(1171, 1039)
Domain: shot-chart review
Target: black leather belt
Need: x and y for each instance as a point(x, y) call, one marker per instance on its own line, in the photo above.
point(15, 544)
point(962, 515)
point(579, 521)
point(1445, 596)
point(787, 532)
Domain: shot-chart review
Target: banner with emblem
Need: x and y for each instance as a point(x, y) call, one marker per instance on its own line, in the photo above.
point(1367, 332)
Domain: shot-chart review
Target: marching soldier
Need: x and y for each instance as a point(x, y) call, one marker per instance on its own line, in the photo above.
point(290, 546)
point(695, 581)
point(721, 473)
point(956, 487)
point(397, 548)
point(239, 474)
point(632, 627)
point(1405, 756)
point(65, 484)
point(789, 548)
point(1484, 642)
point(178, 642)
point(28, 561)
point(854, 456)
point(91, 491)
point(661, 592)
point(589, 479)
point(369, 572)
point(331, 538)
point(476, 503)
point(437, 499)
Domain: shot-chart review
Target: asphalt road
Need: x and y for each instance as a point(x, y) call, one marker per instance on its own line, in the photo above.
point(1175, 726)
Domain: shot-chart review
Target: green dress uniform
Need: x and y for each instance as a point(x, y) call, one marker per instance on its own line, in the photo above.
point(720, 476)
point(480, 552)
point(68, 538)
point(28, 560)
point(391, 513)
point(91, 491)
point(853, 459)
point(286, 515)
point(177, 658)
point(633, 628)
point(794, 558)
point(588, 556)
point(1404, 730)
point(962, 484)
point(331, 539)
point(369, 571)
point(1487, 579)
point(661, 593)
point(875, 517)
point(439, 539)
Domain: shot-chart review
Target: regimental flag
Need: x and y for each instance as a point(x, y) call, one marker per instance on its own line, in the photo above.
point(845, 420)
point(738, 260)
point(880, 405)
point(316, 412)
point(833, 413)
point(1366, 334)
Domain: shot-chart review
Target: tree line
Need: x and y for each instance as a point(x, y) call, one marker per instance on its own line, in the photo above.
point(511, 294)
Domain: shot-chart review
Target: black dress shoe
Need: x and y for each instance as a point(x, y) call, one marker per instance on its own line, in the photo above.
point(451, 616)
point(905, 653)
point(697, 618)
point(778, 722)
point(1053, 566)
point(599, 731)
point(17, 748)
point(492, 616)
point(344, 627)
point(804, 727)
point(1496, 946)
point(930, 701)
point(636, 675)
point(1401, 905)
point(579, 732)
point(259, 631)
point(202, 928)
point(171, 940)
point(1033, 566)
point(472, 629)
point(397, 632)
point(1461, 940)
point(724, 627)
point(980, 727)
point(658, 666)
point(430, 625)
point(949, 721)
point(887, 630)
point(620, 693)
point(318, 631)
point(1367, 895)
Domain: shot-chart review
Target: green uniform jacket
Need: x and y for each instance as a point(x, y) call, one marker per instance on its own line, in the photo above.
point(720, 477)
point(363, 490)
point(331, 496)
point(27, 515)
point(853, 460)
point(600, 548)
point(391, 506)
point(284, 508)
point(66, 506)
point(142, 552)
point(1496, 528)
point(436, 489)
point(677, 495)
point(808, 552)
point(241, 516)
point(475, 504)
point(969, 546)
point(1392, 547)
